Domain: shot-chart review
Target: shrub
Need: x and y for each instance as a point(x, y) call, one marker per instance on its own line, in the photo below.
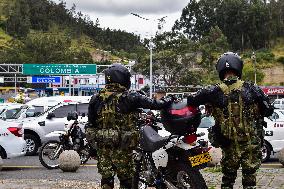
point(264, 54)
point(281, 59)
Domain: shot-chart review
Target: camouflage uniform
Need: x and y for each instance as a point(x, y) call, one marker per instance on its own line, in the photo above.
point(112, 130)
point(236, 107)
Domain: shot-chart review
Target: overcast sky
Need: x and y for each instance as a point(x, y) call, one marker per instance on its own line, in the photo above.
point(115, 14)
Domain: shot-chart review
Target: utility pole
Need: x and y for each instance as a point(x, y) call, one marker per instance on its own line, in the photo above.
point(161, 22)
point(253, 57)
point(151, 67)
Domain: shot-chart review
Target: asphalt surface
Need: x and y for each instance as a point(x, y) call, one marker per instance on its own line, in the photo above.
point(29, 167)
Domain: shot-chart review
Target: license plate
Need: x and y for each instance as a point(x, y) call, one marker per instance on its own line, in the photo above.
point(200, 159)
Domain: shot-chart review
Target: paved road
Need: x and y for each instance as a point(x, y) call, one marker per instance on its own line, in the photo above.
point(27, 172)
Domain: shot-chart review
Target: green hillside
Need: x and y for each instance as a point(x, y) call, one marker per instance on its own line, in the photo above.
point(26, 29)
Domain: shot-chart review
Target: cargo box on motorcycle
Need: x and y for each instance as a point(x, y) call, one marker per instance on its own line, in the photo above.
point(181, 119)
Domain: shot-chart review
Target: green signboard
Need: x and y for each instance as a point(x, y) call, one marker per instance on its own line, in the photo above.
point(2, 100)
point(59, 69)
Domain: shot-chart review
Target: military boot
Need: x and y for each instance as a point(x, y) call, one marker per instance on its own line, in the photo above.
point(249, 187)
point(126, 184)
point(107, 183)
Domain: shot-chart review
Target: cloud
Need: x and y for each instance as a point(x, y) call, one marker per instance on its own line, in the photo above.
point(125, 7)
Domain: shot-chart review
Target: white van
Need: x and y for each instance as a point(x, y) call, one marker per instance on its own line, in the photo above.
point(279, 103)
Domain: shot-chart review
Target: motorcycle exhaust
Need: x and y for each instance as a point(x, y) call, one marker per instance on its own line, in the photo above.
point(170, 185)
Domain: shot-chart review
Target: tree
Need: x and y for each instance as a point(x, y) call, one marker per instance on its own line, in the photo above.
point(248, 73)
point(173, 57)
point(44, 48)
point(246, 23)
point(212, 45)
point(18, 22)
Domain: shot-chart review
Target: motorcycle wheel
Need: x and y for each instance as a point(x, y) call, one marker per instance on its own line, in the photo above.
point(187, 177)
point(143, 177)
point(85, 154)
point(49, 154)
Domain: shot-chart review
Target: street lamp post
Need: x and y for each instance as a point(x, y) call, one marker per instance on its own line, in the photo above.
point(151, 67)
point(253, 57)
point(160, 26)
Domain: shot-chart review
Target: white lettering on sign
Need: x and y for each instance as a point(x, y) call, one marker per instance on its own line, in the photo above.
point(275, 91)
point(57, 71)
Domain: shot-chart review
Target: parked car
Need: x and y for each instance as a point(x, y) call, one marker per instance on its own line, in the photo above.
point(20, 111)
point(9, 110)
point(274, 134)
point(12, 143)
point(206, 122)
point(279, 103)
point(53, 119)
point(278, 115)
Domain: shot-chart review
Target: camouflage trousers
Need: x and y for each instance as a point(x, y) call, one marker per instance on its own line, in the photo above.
point(248, 156)
point(112, 161)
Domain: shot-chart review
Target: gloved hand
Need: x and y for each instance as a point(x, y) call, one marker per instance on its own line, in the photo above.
point(190, 100)
point(169, 99)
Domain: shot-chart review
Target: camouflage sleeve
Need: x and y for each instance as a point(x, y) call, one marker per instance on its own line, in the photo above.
point(266, 109)
point(206, 95)
point(92, 111)
point(141, 101)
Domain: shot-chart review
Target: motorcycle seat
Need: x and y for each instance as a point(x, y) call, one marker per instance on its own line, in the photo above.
point(150, 140)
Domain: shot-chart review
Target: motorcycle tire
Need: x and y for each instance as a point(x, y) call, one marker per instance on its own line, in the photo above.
point(49, 154)
point(85, 154)
point(143, 176)
point(184, 176)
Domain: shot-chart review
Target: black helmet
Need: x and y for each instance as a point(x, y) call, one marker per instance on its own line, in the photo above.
point(229, 61)
point(118, 73)
point(180, 118)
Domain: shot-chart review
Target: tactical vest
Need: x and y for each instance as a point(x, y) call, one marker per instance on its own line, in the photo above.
point(114, 128)
point(237, 117)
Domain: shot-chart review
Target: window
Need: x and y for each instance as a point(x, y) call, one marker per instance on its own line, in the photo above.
point(12, 114)
point(63, 111)
point(82, 108)
point(207, 122)
point(38, 109)
point(276, 102)
point(274, 116)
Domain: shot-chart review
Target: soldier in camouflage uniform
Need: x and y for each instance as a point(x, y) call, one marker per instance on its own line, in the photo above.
point(238, 108)
point(112, 116)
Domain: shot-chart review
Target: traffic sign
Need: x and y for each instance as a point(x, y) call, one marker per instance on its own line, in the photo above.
point(36, 79)
point(59, 69)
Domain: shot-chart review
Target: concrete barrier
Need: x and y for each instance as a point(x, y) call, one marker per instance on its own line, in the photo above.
point(280, 156)
point(216, 154)
point(69, 161)
point(1, 163)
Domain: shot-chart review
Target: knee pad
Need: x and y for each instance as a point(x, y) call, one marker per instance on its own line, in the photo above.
point(107, 183)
